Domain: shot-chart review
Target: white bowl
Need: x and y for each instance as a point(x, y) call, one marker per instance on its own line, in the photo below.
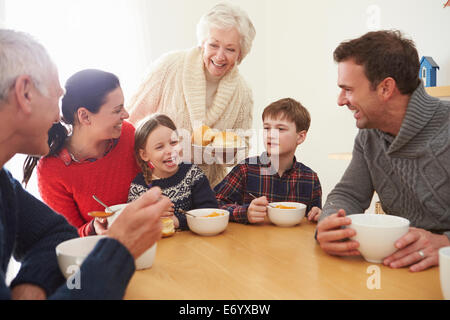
point(286, 217)
point(444, 271)
point(118, 208)
point(71, 253)
point(145, 261)
point(377, 234)
point(207, 226)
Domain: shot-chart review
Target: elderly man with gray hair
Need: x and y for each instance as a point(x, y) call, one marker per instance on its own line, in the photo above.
point(202, 85)
point(29, 230)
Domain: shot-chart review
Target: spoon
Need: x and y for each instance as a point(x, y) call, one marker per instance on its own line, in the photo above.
point(186, 213)
point(254, 197)
point(106, 207)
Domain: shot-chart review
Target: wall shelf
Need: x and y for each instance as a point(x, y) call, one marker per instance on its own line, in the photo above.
point(438, 91)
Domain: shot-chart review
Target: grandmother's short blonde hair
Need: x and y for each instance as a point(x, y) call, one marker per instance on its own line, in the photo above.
point(226, 16)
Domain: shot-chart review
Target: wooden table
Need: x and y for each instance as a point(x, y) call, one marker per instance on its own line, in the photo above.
point(268, 262)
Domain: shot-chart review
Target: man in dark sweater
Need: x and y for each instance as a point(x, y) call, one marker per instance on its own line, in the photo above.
point(402, 151)
point(30, 230)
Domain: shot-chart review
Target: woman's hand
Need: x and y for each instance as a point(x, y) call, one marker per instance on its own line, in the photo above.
point(100, 225)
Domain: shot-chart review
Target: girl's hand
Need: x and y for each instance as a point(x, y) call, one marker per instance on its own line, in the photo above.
point(176, 222)
point(169, 213)
point(314, 214)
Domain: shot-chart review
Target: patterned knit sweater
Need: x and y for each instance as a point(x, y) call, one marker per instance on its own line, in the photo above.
point(410, 172)
point(187, 189)
point(176, 86)
point(67, 186)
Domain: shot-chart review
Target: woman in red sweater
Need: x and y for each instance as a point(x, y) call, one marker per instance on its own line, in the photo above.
point(96, 158)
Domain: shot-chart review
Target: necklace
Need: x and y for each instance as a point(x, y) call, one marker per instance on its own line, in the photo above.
point(78, 156)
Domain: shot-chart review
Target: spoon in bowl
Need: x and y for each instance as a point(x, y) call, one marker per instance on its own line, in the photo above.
point(99, 201)
point(255, 197)
point(101, 214)
point(186, 213)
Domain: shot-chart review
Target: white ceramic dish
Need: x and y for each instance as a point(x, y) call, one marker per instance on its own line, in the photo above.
point(207, 226)
point(71, 254)
point(286, 217)
point(377, 234)
point(444, 271)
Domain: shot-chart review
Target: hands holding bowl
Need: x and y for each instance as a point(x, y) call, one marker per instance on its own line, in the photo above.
point(413, 247)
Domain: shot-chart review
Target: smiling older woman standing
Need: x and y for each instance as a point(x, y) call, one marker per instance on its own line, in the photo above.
point(202, 85)
point(96, 158)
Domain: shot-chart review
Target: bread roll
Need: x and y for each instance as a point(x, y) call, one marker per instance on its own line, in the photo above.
point(227, 140)
point(203, 135)
point(168, 227)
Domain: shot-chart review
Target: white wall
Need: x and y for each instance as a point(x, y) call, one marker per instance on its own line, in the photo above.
point(2, 13)
point(301, 37)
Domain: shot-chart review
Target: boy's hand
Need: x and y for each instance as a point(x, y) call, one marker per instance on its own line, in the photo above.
point(257, 210)
point(314, 214)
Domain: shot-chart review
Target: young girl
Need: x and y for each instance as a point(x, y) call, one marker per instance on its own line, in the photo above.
point(157, 150)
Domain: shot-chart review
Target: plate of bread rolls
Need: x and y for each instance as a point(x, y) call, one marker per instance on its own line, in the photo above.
point(214, 146)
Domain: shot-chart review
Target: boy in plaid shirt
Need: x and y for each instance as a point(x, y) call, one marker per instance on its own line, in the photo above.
point(275, 175)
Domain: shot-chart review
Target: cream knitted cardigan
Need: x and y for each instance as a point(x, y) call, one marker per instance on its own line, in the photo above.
point(176, 86)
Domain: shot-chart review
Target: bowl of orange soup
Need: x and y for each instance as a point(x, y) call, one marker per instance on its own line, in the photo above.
point(286, 214)
point(207, 222)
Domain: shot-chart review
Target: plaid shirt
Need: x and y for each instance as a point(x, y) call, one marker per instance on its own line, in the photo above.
point(255, 175)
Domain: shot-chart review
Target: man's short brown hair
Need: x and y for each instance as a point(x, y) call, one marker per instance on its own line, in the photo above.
point(291, 110)
point(384, 54)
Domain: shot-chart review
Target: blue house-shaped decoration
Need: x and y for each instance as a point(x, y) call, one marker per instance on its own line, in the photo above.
point(428, 71)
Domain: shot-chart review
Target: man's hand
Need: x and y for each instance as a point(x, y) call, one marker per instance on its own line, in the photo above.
point(417, 249)
point(333, 239)
point(257, 210)
point(27, 291)
point(138, 227)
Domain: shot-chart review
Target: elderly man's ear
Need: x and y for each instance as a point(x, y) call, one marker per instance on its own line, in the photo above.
point(23, 92)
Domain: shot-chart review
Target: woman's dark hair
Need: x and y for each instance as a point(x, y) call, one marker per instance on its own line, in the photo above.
point(88, 89)
point(143, 130)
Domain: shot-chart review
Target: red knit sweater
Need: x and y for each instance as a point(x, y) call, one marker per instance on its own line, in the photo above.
point(67, 186)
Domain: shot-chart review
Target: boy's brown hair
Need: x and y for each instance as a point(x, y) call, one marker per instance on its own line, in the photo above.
point(291, 110)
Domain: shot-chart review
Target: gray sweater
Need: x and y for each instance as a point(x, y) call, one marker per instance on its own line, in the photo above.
point(410, 172)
